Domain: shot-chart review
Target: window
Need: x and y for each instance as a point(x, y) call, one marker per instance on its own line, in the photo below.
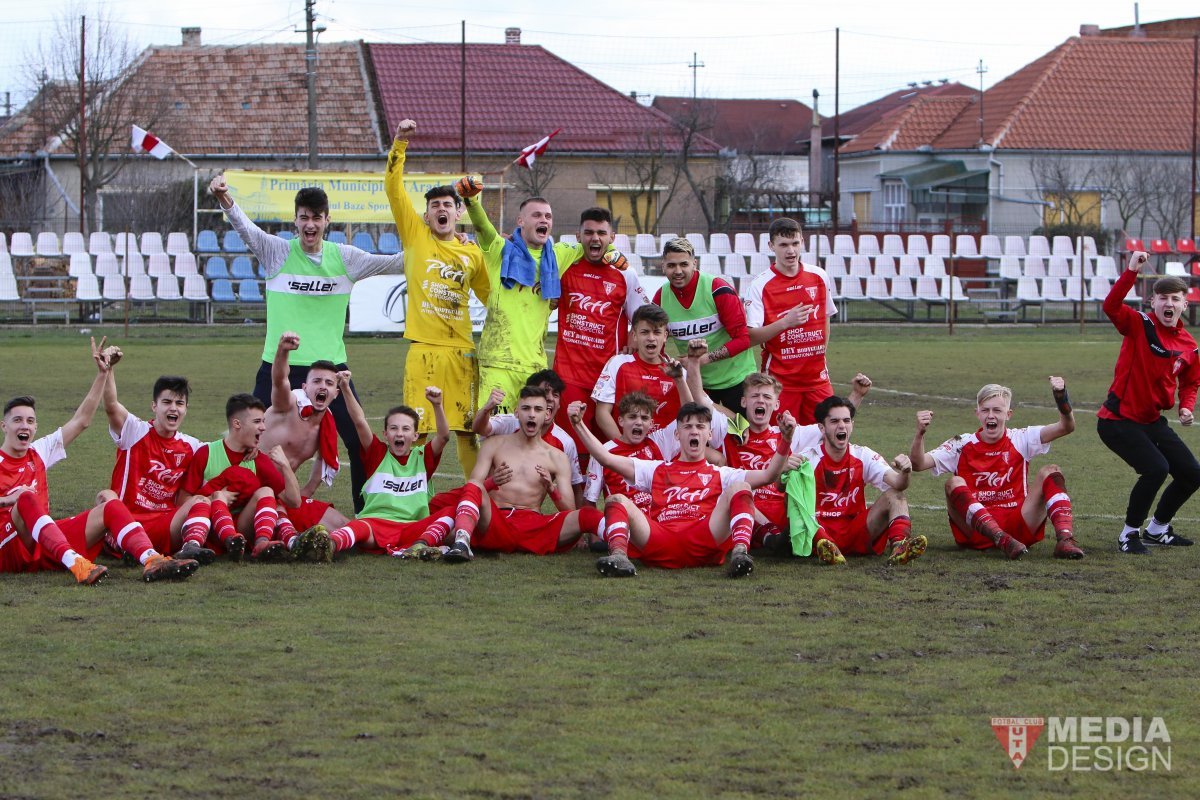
point(862, 207)
point(621, 203)
point(895, 202)
point(1072, 207)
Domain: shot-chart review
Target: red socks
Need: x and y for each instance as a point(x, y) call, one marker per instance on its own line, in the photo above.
point(198, 523)
point(974, 513)
point(43, 530)
point(345, 538)
point(265, 517)
point(616, 528)
point(466, 516)
point(222, 521)
point(899, 529)
point(1058, 505)
point(741, 518)
point(435, 534)
point(129, 534)
point(287, 531)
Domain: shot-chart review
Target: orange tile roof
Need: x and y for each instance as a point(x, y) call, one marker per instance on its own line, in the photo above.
point(769, 127)
point(911, 126)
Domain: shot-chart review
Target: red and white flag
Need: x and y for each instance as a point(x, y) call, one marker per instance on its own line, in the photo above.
point(146, 142)
point(530, 154)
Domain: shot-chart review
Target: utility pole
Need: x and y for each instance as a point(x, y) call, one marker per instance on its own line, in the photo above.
point(982, 70)
point(694, 67)
point(310, 71)
point(82, 147)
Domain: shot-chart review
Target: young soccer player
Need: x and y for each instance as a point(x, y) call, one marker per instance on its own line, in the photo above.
point(441, 272)
point(1157, 358)
point(307, 291)
point(988, 496)
point(699, 513)
point(648, 369)
point(249, 481)
point(707, 306)
point(508, 519)
point(30, 540)
point(843, 470)
point(788, 309)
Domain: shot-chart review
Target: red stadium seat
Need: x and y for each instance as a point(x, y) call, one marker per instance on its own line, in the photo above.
point(1186, 247)
point(1161, 247)
point(1193, 295)
point(1134, 244)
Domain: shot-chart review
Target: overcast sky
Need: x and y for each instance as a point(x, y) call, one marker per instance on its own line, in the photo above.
point(769, 48)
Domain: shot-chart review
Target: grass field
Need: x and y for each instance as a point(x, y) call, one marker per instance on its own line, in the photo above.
point(533, 677)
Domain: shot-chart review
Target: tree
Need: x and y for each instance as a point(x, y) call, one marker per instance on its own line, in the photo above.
point(113, 97)
point(1062, 181)
point(649, 178)
point(1170, 201)
point(534, 182)
point(1127, 186)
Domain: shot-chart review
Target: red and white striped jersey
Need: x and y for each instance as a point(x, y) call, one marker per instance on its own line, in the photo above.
point(998, 474)
point(149, 466)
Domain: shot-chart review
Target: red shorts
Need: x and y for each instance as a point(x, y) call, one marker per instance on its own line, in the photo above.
point(522, 530)
point(1010, 521)
point(307, 514)
point(158, 529)
point(851, 535)
point(773, 507)
point(390, 536)
point(681, 544)
point(803, 402)
point(14, 557)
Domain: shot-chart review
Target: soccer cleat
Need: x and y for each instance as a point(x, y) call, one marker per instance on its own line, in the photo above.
point(459, 553)
point(906, 550)
point(1011, 547)
point(269, 550)
point(829, 553)
point(1133, 544)
point(616, 565)
point(196, 552)
point(420, 550)
point(86, 572)
point(235, 546)
point(740, 563)
point(1167, 539)
point(596, 544)
point(314, 545)
point(1068, 548)
point(161, 568)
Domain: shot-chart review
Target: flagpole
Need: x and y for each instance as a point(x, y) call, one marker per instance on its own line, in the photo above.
point(195, 195)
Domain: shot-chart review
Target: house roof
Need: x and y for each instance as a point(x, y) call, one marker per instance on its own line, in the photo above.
point(1184, 28)
point(516, 94)
point(768, 127)
point(857, 120)
point(915, 124)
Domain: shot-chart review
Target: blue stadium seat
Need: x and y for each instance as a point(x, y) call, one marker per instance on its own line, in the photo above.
point(287, 236)
point(389, 244)
point(337, 237)
point(215, 269)
point(206, 242)
point(248, 291)
point(262, 272)
point(232, 243)
point(241, 268)
point(222, 291)
point(363, 241)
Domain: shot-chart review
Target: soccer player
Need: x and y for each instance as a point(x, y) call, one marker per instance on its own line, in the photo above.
point(487, 425)
point(395, 516)
point(598, 299)
point(152, 458)
point(699, 512)
point(508, 519)
point(754, 446)
point(703, 305)
point(842, 471)
point(1157, 358)
point(441, 272)
point(243, 480)
point(788, 309)
point(648, 369)
point(988, 496)
point(30, 540)
point(300, 422)
point(307, 291)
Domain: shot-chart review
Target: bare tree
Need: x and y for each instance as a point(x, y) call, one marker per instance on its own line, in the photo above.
point(650, 178)
point(113, 95)
point(1126, 184)
point(1062, 181)
point(1170, 201)
point(534, 182)
point(749, 180)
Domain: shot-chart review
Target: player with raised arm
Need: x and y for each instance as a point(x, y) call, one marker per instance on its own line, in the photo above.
point(648, 369)
point(508, 519)
point(1158, 357)
point(244, 481)
point(699, 512)
point(843, 470)
point(988, 496)
point(307, 291)
point(30, 540)
point(441, 273)
point(788, 309)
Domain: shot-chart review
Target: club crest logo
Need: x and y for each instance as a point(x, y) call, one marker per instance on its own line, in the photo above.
point(705, 477)
point(1017, 735)
point(812, 292)
point(609, 287)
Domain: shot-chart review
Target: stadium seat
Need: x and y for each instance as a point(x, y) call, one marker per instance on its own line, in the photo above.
point(21, 244)
point(935, 267)
point(8, 288)
point(959, 296)
point(1014, 246)
point(389, 244)
point(893, 245)
point(125, 243)
point(107, 264)
point(6, 267)
point(902, 290)
point(885, 267)
point(81, 264)
point(99, 242)
point(1035, 267)
point(47, 244)
point(860, 266)
point(1039, 246)
point(635, 261)
point(1185, 247)
point(185, 264)
point(843, 245)
point(1088, 271)
point(1175, 268)
point(1074, 287)
point(1029, 294)
point(215, 269)
point(158, 265)
point(1132, 296)
point(1010, 268)
point(261, 272)
point(222, 291)
point(286, 234)
point(1159, 247)
point(816, 244)
point(206, 242)
point(3, 243)
point(1062, 246)
point(167, 288)
point(710, 264)
point(622, 243)
point(364, 241)
point(72, 243)
point(965, 246)
point(1106, 267)
point(910, 267)
point(868, 245)
point(195, 289)
point(851, 289)
point(735, 267)
point(643, 245)
point(1059, 267)
point(1089, 247)
point(877, 288)
point(743, 244)
point(989, 246)
point(1052, 291)
point(152, 244)
point(141, 288)
point(927, 290)
point(241, 268)
point(835, 267)
point(232, 242)
point(663, 238)
point(177, 243)
point(113, 287)
point(249, 292)
point(87, 289)
point(918, 245)
point(718, 244)
point(940, 245)
point(758, 262)
point(1130, 245)
point(698, 243)
point(134, 264)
